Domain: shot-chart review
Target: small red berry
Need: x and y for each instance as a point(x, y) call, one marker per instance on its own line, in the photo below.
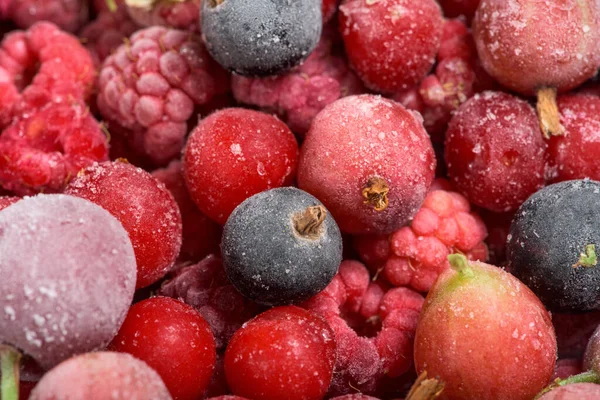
point(286, 352)
point(173, 339)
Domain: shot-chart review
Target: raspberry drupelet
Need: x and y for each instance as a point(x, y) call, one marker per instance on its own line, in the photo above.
point(374, 327)
point(391, 44)
point(370, 161)
point(151, 86)
point(495, 152)
point(45, 148)
point(69, 15)
point(145, 208)
point(235, 153)
point(40, 65)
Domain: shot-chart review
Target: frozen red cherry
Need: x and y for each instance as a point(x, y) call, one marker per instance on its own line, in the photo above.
point(515, 48)
point(370, 161)
point(173, 339)
point(286, 352)
point(236, 153)
point(391, 44)
point(145, 208)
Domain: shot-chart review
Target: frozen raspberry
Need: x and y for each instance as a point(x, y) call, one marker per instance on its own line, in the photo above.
point(40, 65)
point(205, 287)
point(495, 152)
point(201, 236)
point(300, 94)
point(370, 161)
point(176, 14)
point(572, 155)
point(69, 15)
point(145, 208)
point(45, 148)
point(391, 44)
point(151, 85)
point(374, 328)
point(6, 201)
point(236, 153)
point(106, 33)
point(444, 225)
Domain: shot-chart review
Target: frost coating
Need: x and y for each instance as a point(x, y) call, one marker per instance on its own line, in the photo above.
point(68, 276)
point(261, 37)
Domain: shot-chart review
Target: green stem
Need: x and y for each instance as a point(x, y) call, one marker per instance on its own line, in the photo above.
point(9, 373)
point(112, 5)
point(587, 259)
point(460, 264)
point(584, 377)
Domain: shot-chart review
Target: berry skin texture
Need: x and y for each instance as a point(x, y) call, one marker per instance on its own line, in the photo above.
point(515, 48)
point(299, 95)
point(101, 375)
point(42, 65)
point(444, 224)
point(151, 85)
point(283, 33)
point(574, 391)
point(201, 235)
point(68, 15)
point(391, 44)
point(145, 208)
point(82, 289)
point(174, 340)
point(494, 151)
point(44, 149)
point(374, 328)
point(281, 246)
point(552, 243)
point(283, 353)
point(235, 153)
point(571, 156)
point(484, 334)
point(370, 161)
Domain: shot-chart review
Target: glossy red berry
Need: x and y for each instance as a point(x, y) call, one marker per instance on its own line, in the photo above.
point(284, 353)
point(173, 339)
point(234, 154)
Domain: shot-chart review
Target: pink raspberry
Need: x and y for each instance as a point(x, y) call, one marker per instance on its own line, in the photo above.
point(151, 86)
point(69, 15)
point(201, 236)
point(300, 94)
point(418, 253)
point(374, 328)
point(45, 148)
point(205, 287)
point(106, 33)
point(40, 65)
point(183, 15)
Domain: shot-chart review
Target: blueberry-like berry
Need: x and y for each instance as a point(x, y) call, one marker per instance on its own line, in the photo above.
point(261, 37)
point(553, 242)
point(281, 246)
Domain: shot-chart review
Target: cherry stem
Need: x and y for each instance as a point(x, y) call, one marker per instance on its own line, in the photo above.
point(587, 259)
point(460, 264)
point(548, 113)
point(9, 373)
point(375, 193)
point(584, 377)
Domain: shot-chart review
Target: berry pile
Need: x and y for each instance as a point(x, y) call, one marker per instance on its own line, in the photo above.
point(300, 200)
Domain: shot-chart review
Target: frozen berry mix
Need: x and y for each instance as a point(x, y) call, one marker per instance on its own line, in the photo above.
point(391, 44)
point(286, 352)
point(370, 161)
point(101, 375)
point(151, 85)
point(145, 208)
point(281, 246)
point(173, 339)
point(236, 153)
point(262, 37)
point(68, 276)
point(495, 152)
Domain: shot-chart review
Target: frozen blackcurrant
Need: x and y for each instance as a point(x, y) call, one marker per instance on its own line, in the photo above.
point(281, 246)
point(552, 245)
point(260, 37)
